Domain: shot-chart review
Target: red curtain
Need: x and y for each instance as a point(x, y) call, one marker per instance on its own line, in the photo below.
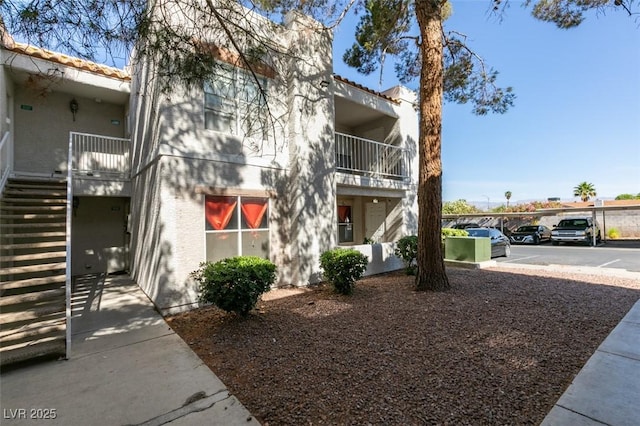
point(344, 213)
point(253, 212)
point(219, 211)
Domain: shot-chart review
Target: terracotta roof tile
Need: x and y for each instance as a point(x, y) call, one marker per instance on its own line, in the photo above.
point(60, 58)
point(366, 89)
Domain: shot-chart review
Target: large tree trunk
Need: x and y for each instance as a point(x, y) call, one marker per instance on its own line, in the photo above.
point(431, 271)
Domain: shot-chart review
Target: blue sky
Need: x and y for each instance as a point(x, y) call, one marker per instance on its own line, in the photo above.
point(576, 116)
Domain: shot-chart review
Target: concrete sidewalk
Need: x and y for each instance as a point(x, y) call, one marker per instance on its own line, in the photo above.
point(607, 389)
point(127, 367)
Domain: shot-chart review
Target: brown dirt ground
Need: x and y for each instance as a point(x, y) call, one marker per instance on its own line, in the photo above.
point(499, 347)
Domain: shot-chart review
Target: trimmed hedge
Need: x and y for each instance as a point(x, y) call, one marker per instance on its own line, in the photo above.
point(450, 232)
point(343, 267)
point(235, 284)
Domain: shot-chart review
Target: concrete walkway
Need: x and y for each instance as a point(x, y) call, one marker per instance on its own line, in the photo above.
point(127, 367)
point(607, 389)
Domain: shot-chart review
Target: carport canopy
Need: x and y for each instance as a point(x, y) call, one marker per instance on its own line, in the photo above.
point(546, 212)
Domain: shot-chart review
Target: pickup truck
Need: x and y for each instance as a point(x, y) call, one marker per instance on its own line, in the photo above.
point(576, 229)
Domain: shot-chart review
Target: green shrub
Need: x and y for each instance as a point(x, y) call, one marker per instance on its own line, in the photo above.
point(407, 250)
point(343, 267)
point(613, 233)
point(450, 232)
point(236, 283)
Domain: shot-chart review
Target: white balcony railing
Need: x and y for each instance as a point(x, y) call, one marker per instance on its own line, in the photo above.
point(100, 156)
point(6, 159)
point(360, 156)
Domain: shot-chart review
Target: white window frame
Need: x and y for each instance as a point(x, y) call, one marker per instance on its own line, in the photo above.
point(347, 224)
point(238, 217)
point(239, 99)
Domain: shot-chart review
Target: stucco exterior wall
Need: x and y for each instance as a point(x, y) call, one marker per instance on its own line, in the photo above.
point(168, 222)
point(406, 129)
point(312, 193)
point(42, 127)
point(152, 248)
point(177, 162)
point(381, 258)
point(174, 152)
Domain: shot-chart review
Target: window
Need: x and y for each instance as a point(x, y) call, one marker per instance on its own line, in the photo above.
point(236, 226)
point(234, 103)
point(345, 225)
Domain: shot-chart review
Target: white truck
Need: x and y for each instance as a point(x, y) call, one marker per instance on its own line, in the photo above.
point(577, 230)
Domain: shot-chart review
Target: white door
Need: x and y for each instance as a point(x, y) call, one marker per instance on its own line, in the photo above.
point(375, 215)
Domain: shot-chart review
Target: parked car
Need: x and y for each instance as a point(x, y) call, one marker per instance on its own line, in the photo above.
point(575, 229)
point(465, 225)
point(500, 244)
point(531, 234)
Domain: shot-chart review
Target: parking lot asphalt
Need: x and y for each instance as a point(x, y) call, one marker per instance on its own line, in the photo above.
point(611, 254)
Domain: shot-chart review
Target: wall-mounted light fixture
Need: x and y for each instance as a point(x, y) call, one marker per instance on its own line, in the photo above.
point(324, 84)
point(73, 105)
point(375, 201)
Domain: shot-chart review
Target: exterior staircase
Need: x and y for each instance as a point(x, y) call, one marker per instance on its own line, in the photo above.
point(32, 270)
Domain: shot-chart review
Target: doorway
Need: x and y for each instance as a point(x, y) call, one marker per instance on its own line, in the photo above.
point(99, 241)
point(375, 215)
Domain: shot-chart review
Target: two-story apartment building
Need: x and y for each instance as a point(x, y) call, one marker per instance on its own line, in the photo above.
point(102, 172)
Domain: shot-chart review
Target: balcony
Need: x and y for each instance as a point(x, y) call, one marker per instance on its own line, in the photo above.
point(99, 165)
point(358, 156)
point(100, 156)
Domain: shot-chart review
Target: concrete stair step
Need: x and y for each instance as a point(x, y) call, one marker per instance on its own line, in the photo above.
point(37, 180)
point(48, 346)
point(38, 312)
point(34, 216)
point(33, 332)
point(34, 234)
point(36, 185)
point(33, 256)
point(37, 201)
point(38, 245)
point(32, 192)
point(32, 310)
point(38, 296)
point(30, 209)
point(30, 330)
point(33, 282)
point(33, 225)
point(33, 268)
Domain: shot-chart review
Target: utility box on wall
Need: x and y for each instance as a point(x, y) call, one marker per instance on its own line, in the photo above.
point(467, 249)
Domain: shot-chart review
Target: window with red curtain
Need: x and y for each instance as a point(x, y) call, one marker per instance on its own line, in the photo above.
point(345, 224)
point(219, 211)
point(236, 226)
point(253, 211)
point(344, 214)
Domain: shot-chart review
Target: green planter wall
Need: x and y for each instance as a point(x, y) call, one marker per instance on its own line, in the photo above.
point(467, 249)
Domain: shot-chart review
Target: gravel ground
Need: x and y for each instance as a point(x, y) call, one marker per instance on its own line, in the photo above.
point(500, 347)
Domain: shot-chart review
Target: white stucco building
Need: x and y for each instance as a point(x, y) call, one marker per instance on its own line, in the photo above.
point(160, 183)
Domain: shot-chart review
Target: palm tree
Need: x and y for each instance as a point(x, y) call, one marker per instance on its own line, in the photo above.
point(507, 195)
point(585, 191)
